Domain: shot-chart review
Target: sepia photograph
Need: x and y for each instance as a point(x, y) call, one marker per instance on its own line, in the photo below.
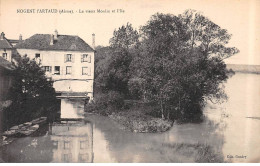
point(129, 81)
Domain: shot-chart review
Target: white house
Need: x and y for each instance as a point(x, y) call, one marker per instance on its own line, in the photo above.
point(67, 60)
point(7, 50)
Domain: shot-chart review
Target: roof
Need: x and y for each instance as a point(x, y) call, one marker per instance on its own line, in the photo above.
point(5, 44)
point(13, 41)
point(63, 42)
point(6, 64)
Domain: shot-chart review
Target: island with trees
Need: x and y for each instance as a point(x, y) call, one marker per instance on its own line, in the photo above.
point(166, 72)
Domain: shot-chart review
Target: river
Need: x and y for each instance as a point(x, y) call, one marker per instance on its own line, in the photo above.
point(231, 129)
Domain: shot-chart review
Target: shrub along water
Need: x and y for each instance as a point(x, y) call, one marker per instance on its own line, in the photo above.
point(31, 93)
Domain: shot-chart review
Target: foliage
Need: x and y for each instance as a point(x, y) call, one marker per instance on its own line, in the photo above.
point(180, 63)
point(125, 37)
point(32, 94)
point(106, 103)
point(174, 61)
point(112, 72)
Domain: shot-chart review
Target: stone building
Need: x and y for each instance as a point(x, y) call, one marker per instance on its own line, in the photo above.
point(67, 60)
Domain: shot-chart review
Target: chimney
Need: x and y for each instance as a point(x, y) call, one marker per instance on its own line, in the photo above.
point(2, 36)
point(93, 41)
point(55, 34)
point(52, 40)
point(20, 38)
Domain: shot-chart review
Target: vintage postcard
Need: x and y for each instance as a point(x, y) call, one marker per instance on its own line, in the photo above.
point(129, 81)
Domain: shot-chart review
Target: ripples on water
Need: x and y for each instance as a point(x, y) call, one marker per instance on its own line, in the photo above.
point(226, 130)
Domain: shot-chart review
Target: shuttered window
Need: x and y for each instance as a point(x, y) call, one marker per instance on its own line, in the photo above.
point(47, 68)
point(86, 58)
point(68, 58)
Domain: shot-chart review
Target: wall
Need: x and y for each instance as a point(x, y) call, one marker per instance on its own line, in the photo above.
point(9, 53)
point(66, 83)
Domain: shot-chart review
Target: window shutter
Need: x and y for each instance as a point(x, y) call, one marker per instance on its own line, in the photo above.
point(89, 58)
point(64, 57)
point(81, 58)
point(50, 69)
point(72, 58)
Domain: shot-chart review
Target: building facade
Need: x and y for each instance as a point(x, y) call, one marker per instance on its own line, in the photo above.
point(67, 60)
point(7, 49)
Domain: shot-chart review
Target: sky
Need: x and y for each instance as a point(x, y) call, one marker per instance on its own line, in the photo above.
point(239, 17)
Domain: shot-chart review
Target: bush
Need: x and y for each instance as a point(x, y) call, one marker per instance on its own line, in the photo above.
point(106, 103)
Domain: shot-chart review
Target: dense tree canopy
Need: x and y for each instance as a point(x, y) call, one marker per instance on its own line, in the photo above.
point(31, 93)
point(30, 82)
point(180, 64)
point(113, 70)
point(174, 61)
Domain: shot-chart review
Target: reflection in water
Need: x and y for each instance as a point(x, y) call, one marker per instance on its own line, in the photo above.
point(1, 132)
point(242, 134)
point(226, 130)
point(66, 141)
point(60, 141)
point(72, 108)
point(72, 141)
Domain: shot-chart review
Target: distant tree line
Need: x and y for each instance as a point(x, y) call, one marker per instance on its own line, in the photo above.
point(173, 61)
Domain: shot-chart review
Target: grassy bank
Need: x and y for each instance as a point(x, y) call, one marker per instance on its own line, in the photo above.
point(138, 122)
point(133, 115)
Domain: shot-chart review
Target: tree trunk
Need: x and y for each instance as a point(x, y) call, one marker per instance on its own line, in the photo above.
point(162, 110)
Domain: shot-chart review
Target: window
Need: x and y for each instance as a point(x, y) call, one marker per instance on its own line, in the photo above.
point(37, 55)
point(83, 144)
point(5, 55)
point(86, 71)
point(85, 58)
point(68, 58)
point(47, 68)
point(83, 157)
point(68, 69)
point(57, 70)
point(66, 157)
point(66, 144)
point(55, 144)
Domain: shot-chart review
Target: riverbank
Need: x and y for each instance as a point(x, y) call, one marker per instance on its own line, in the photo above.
point(134, 116)
point(137, 122)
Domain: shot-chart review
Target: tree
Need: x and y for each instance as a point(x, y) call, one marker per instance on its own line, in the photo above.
point(207, 35)
point(113, 70)
point(124, 38)
point(181, 63)
point(32, 94)
point(30, 82)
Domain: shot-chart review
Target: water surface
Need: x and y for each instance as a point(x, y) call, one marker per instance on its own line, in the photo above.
point(230, 129)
